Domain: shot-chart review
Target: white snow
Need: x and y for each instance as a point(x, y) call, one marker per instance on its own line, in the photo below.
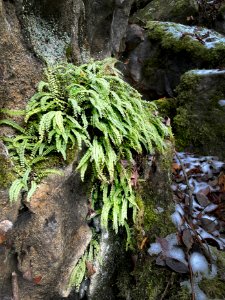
point(154, 249)
point(176, 219)
point(198, 263)
point(221, 102)
point(178, 254)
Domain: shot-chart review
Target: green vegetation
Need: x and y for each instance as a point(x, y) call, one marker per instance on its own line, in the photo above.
point(180, 39)
point(91, 108)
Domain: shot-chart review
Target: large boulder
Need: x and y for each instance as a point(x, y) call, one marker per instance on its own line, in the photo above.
point(199, 121)
point(47, 239)
point(183, 11)
point(165, 51)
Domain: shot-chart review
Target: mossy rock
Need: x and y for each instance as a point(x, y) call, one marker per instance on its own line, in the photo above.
point(203, 45)
point(7, 175)
point(199, 122)
point(173, 10)
point(148, 281)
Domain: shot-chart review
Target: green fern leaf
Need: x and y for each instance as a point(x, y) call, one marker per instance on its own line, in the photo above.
point(31, 190)
point(13, 125)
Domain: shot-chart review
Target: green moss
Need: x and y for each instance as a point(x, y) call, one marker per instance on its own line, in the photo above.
point(151, 282)
point(156, 203)
point(187, 43)
point(7, 174)
point(198, 108)
point(166, 106)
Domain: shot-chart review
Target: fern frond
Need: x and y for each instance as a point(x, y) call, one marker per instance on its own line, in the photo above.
point(15, 190)
point(13, 112)
point(13, 125)
point(84, 161)
point(31, 190)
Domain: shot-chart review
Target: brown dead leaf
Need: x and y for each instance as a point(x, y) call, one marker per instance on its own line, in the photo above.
point(221, 181)
point(175, 167)
point(37, 279)
point(2, 238)
point(187, 238)
point(202, 199)
point(143, 243)
point(90, 268)
point(176, 265)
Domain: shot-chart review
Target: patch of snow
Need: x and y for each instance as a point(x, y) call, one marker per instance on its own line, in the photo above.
point(155, 248)
point(198, 263)
point(177, 219)
point(221, 102)
point(178, 254)
point(209, 38)
point(207, 72)
point(179, 209)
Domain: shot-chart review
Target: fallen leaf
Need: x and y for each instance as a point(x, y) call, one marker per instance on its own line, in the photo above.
point(221, 182)
point(163, 243)
point(176, 265)
point(90, 268)
point(204, 191)
point(175, 167)
point(202, 199)
point(208, 225)
point(160, 261)
point(37, 279)
point(2, 238)
point(143, 243)
point(187, 238)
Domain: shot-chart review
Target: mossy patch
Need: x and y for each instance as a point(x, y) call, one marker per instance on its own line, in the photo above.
point(166, 106)
point(7, 174)
point(199, 120)
point(201, 43)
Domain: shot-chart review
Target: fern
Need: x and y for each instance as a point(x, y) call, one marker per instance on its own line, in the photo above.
point(90, 107)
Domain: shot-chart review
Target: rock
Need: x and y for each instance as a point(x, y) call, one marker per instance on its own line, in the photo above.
point(76, 30)
point(168, 50)
point(183, 11)
point(220, 20)
point(198, 106)
point(19, 69)
point(50, 235)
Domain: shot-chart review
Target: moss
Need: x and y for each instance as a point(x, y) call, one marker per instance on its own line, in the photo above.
point(198, 107)
point(156, 200)
point(182, 39)
point(152, 280)
point(7, 175)
point(166, 106)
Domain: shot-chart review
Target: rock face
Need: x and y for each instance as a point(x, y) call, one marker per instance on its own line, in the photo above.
point(49, 234)
point(19, 69)
point(48, 237)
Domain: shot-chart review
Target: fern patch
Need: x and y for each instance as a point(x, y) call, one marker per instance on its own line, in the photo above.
point(87, 107)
